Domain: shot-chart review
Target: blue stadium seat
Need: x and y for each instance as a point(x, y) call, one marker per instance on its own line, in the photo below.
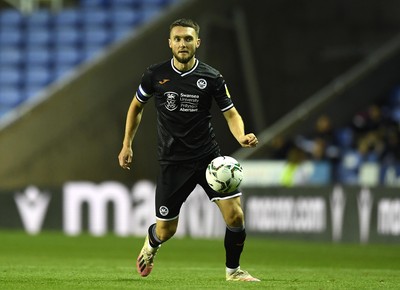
point(10, 96)
point(91, 50)
point(129, 3)
point(11, 18)
point(120, 32)
point(123, 22)
point(67, 55)
point(39, 18)
point(10, 36)
point(10, 55)
point(60, 70)
point(149, 13)
point(37, 36)
point(95, 16)
point(96, 35)
point(68, 17)
point(95, 3)
point(37, 75)
point(38, 55)
point(10, 76)
point(123, 16)
point(143, 3)
point(66, 36)
point(159, 3)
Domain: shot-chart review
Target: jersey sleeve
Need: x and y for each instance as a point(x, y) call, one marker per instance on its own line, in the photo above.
point(222, 96)
point(145, 90)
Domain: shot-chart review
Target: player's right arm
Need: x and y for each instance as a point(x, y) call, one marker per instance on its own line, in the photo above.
point(133, 119)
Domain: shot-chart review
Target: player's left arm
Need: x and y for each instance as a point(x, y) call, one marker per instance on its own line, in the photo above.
point(236, 126)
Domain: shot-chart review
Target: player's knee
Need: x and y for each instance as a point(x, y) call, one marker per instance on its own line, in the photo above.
point(235, 219)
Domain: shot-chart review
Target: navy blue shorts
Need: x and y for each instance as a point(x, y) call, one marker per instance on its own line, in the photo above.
point(175, 183)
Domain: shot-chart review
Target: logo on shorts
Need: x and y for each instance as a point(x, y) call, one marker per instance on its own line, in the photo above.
point(164, 210)
point(201, 83)
point(171, 102)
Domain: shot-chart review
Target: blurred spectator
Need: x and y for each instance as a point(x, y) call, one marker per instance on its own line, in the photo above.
point(321, 144)
point(280, 147)
point(391, 153)
point(295, 156)
point(373, 135)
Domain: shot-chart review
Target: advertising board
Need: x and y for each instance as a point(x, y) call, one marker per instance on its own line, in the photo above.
point(326, 213)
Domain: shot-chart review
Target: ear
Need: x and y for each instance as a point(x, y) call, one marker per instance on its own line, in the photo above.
point(169, 43)
point(198, 42)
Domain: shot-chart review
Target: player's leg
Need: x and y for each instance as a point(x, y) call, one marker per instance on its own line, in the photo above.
point(166, 229)
point(235, 236)
point(158, 233)
point(174, 185)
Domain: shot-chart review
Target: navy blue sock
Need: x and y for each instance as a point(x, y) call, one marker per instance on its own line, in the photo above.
point(234, 243)
point(154, 241)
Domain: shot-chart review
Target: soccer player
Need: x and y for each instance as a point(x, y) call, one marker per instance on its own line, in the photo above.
point(183, 89)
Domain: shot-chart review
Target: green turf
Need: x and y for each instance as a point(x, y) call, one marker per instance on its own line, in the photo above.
point(54, 261)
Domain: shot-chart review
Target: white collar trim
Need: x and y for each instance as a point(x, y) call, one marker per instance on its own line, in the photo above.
point(186, 72)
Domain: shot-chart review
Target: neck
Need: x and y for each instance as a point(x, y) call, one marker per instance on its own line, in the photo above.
point(184, 66)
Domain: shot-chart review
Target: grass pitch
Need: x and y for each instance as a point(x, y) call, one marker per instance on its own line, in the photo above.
point(54, 261)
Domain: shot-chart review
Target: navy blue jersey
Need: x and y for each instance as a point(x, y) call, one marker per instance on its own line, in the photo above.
point(183, 101)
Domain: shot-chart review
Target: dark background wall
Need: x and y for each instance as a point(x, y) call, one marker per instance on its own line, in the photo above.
point(297, 46)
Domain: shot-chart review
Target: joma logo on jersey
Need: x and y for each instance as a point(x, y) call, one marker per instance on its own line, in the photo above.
point(171, 102)
point(163, 81)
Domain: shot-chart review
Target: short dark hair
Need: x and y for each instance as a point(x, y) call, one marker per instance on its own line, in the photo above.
point(185, 23)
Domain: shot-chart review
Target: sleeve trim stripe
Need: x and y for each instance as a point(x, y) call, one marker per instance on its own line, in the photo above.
point(141, 100)
point(227, 108)
point(142, 92)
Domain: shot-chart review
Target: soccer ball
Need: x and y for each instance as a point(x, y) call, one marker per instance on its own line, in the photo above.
point(224, 174)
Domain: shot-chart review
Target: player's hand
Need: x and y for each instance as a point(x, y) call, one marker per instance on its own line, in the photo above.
point(125, 157)
point(248, 140)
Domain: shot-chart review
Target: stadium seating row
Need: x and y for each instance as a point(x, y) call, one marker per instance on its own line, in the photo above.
point(13, 19)
point(14, 39)
point(66, 54)
point(37, 49)
point(111, 3)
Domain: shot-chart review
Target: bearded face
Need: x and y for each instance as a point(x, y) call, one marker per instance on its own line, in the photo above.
point(183, 43)
point(184, 56)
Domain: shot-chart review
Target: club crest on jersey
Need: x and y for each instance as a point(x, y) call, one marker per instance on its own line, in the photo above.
point(171, 102)
point(164, 210)
point(202, 83)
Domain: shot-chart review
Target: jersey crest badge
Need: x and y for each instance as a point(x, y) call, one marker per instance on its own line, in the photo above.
point(201, 83)
point(171, 102)
point(164, 210)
